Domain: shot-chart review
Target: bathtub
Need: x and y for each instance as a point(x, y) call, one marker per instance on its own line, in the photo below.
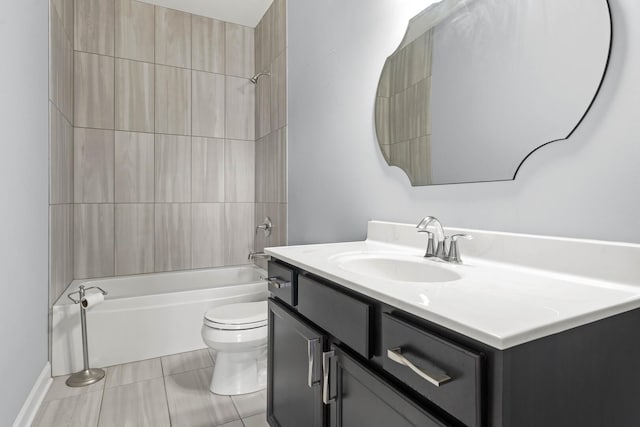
point(147, 315)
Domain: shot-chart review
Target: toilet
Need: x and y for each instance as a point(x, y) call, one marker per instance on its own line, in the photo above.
point(238, 335)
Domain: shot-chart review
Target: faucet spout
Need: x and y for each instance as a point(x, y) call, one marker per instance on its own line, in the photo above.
point(435, 244)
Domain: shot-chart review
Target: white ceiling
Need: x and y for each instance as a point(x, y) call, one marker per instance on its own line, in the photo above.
point(244, 12)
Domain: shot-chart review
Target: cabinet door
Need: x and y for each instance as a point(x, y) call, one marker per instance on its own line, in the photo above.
point(358, 397)
point(294, 391)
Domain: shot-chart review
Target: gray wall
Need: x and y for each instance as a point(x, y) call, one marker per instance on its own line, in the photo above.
point(24, 194)
point(585, 187)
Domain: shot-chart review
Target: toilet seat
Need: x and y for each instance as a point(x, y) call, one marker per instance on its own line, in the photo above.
point(230, 317)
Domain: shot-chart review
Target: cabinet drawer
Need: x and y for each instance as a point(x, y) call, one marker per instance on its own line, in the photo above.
point(283, 283)
point(346, 318)
point(421, 360)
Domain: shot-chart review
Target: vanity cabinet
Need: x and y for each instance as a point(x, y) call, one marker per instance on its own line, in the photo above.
point(338, 358)
point(294, 396)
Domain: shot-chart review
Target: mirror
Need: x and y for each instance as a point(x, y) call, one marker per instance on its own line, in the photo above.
point(476, 86)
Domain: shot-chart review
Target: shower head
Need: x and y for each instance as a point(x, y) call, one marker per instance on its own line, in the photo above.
point(255, 78)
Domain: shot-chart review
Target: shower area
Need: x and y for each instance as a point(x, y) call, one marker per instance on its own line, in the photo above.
point(168, 140)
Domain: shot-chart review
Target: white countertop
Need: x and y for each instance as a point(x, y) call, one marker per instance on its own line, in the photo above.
point(499, 304)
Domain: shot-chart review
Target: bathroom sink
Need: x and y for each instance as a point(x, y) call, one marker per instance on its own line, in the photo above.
point(401, 268)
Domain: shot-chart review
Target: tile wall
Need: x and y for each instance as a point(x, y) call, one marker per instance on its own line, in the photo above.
point(271, 125)
point(61, 190)
point(164, 157)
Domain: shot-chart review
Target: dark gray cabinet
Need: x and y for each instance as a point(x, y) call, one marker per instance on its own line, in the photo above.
point(382, 367)
point(359, 397)
point(294, 391)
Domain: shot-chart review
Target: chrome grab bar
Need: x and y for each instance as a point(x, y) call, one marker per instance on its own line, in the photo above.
point(437, 379)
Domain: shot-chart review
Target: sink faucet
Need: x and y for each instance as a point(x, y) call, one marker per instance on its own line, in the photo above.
point(436, 245)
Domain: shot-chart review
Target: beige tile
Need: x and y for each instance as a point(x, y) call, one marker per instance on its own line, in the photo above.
point(264, 40)
point(239, 232)
point(278, 99)
point(208, 235)
point(60, 158)
point(173, 168)
point(57, 39)
point(68, 80)
point(94, 26)
point(173, 100)
point(239, 52)
point(236, 423)
point(251, 404)
point(134, 98)
point(134, 372)
point(135, 30)
point(134, 239)
point(259, 420)
point(136, 405)
point(81, 410)
point(173, 237)
point(173, 37)
point(60, 249)
point(93, 240)
point(93, 165)
point(184, 362)
point(263, 106)
point(60, 390)
point(192, 404)
point(271, 173)
point(93, 91)
point(134, 167)
point(207, 169)
point(64, 9)
point(208, 104)
point(239, 169)
point(240, 108)
point(279, 26)
point(208, 44)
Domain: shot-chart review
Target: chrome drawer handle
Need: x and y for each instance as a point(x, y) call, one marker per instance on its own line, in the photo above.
point(326, 357)
point(395, 355)
point(311, 351)
point(278, 283)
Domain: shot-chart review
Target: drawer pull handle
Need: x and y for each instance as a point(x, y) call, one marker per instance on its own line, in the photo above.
point(311, 353)
point(326, 358)
point(395, 354)
point(277, 283)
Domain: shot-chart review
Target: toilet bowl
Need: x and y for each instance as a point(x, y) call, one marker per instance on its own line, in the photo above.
point(238, 335)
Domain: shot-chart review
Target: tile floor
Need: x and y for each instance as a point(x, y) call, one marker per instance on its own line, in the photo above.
point(168, 391)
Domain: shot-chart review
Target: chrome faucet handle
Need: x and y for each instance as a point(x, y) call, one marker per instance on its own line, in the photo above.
point(454, 251)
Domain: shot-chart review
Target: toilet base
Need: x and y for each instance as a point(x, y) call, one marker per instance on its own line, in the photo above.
point(239, 373)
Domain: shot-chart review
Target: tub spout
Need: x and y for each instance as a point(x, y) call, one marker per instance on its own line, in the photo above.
point(253, 255)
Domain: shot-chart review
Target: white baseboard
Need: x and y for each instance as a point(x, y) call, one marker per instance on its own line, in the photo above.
point(35, 398)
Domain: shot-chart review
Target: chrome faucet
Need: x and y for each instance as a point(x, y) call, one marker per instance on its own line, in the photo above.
point(253, 255)
point(437, 245)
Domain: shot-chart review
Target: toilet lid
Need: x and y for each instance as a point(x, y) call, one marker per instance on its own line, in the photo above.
point(238, 316)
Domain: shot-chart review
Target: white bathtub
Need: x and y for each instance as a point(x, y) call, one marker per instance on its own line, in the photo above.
point(147, 315)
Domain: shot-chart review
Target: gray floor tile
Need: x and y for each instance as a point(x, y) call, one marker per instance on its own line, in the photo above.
point(236, 423)
point(259, 420)
point(75, 411)
point(135, 405)
point(59, 390)
point(183, 362)
point(133, 372)
point(192, 404)
point(250, 404)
